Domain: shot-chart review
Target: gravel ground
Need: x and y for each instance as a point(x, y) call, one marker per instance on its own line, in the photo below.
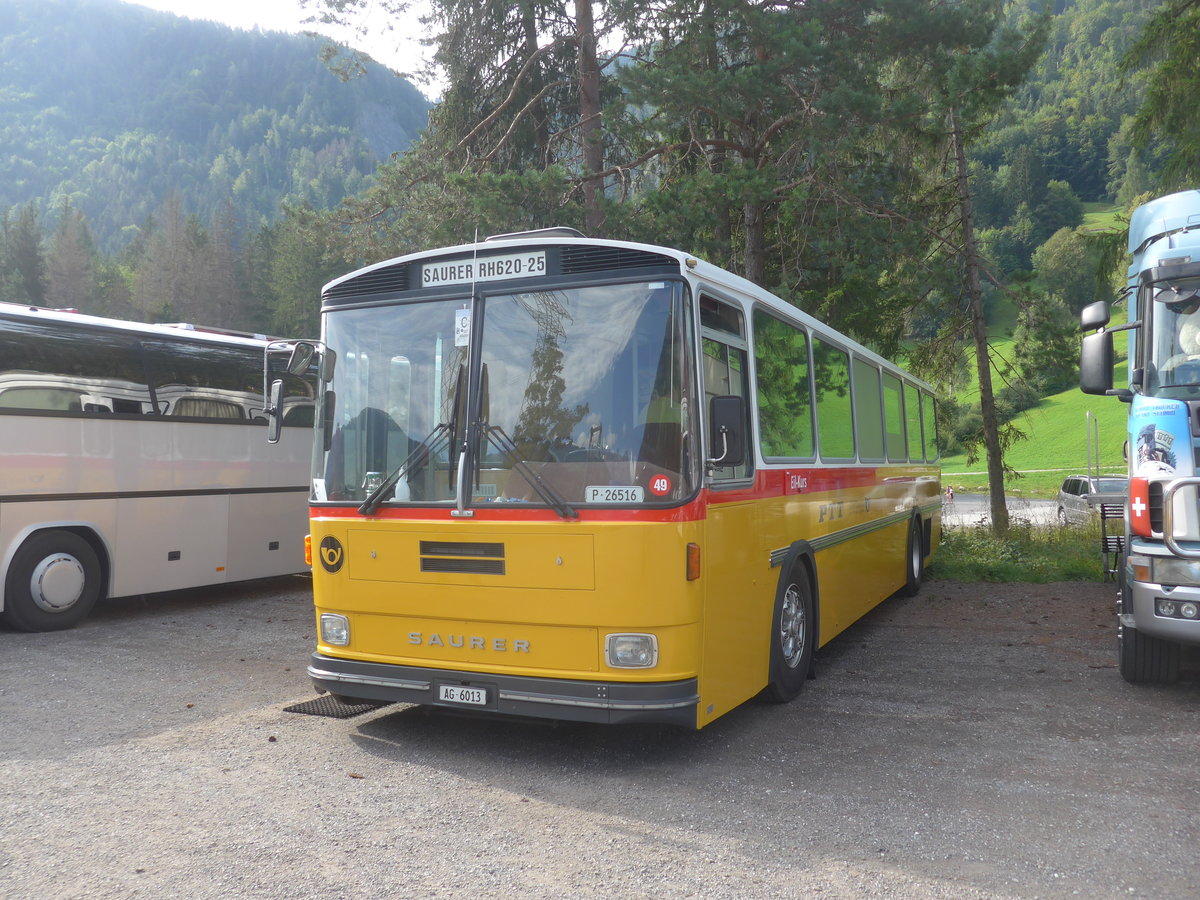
point(973, 742)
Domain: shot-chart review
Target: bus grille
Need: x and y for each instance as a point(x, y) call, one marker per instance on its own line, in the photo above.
point(476, 558)
point(577, 260)
point(387, 280)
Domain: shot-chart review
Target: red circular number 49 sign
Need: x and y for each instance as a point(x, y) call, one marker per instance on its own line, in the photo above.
point(660, 485)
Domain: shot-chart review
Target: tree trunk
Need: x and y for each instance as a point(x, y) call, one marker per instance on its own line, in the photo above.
point(589, 116)
point(541, 131)
point(983, 363)
point(755, 261)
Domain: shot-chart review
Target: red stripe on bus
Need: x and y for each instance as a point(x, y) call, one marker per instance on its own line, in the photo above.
point(767, 483)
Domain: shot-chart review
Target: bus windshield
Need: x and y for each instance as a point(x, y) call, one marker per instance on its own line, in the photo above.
point(1174, 339)
point(579, 396)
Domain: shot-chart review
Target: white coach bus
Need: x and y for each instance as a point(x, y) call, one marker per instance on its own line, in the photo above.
point(132, 462)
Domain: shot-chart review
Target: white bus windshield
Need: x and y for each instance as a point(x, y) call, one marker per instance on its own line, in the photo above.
point(579, 396)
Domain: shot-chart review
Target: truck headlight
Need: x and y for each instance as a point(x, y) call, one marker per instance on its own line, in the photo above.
point(335, 629)
point(1175, 571)
point(631, 651)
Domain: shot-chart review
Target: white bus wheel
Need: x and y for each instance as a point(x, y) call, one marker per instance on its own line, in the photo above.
point(53, 582)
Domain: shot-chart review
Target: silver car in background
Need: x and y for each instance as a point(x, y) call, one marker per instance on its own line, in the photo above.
point(1080, 497)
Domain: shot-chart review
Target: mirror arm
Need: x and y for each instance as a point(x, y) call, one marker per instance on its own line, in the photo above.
point(724, 432)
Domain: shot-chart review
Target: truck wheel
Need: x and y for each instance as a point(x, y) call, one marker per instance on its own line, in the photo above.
point(52, 584)
point(1146, 660)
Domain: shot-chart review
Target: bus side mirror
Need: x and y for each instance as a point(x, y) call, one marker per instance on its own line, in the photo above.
point(727, 421)
point(1096, 363)
point(328, 361)
point(301, 358)
point(274, 411)
point(327, 411)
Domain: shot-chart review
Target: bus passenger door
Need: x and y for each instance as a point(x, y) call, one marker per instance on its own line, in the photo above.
point(736, 571)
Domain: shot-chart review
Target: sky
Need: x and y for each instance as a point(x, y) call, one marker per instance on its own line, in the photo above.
point(397, 48)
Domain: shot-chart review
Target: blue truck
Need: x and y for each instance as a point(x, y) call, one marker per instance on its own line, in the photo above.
point(1158, 604)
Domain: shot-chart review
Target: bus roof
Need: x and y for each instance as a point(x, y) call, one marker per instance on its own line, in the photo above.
point(177, 329)
point(715, 276)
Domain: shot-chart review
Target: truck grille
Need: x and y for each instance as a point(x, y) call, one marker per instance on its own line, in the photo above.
point(1156, 506)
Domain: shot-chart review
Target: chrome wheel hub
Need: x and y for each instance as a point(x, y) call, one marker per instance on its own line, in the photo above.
point(792, 627)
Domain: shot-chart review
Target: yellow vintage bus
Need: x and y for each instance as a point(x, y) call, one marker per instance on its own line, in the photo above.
point(599, 481)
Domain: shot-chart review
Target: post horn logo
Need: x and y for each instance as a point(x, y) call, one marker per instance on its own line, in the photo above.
point(331, 553)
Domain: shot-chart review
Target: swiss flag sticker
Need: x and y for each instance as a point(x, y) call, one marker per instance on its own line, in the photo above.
point(1139, 506)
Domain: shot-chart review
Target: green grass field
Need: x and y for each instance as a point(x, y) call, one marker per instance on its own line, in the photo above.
point(1056, 445)
point(1102, 217)
point(1056, 430)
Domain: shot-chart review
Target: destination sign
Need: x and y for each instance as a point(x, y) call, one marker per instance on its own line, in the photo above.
point(483, 268)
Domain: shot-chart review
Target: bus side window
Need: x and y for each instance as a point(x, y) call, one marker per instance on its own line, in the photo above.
point(893, 410)
point(781, 366)
point(835, 415)
point(868, 411)
point(912, 417)
point(726, 372)
point(929, 425)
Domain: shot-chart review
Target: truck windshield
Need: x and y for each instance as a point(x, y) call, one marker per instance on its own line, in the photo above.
point(580, 396)
point(1174, 369)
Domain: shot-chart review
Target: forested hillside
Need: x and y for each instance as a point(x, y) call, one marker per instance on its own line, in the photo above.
point(108, 108)
point(155, 168)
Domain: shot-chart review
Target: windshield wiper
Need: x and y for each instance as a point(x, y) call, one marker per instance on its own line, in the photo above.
point(430, 445)
point(502, 442)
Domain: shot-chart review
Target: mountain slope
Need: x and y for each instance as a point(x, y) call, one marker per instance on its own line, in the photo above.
point(111, 107)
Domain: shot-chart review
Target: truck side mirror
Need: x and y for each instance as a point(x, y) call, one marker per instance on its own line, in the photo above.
point(727, 423)
point(1096, 363)
point(1094, 315)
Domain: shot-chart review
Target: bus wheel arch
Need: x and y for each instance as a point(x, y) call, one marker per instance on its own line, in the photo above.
point(794, 622)
point(54, 579)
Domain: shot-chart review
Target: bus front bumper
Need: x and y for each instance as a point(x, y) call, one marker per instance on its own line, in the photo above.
point(607, 702)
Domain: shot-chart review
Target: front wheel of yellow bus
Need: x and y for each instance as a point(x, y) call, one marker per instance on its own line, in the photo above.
point(791, 637)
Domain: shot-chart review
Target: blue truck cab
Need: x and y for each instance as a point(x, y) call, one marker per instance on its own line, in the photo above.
point(1158, 603)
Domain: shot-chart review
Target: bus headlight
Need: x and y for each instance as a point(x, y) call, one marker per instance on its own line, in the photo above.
point(335, 629)
point(631, 651)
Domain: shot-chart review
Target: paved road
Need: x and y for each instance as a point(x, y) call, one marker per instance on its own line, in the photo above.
point(974, 509)
point(972, 742)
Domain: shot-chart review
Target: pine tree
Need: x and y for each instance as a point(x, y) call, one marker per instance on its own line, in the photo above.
point(23, 266)
point(71, 265)
point(1169, 47)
